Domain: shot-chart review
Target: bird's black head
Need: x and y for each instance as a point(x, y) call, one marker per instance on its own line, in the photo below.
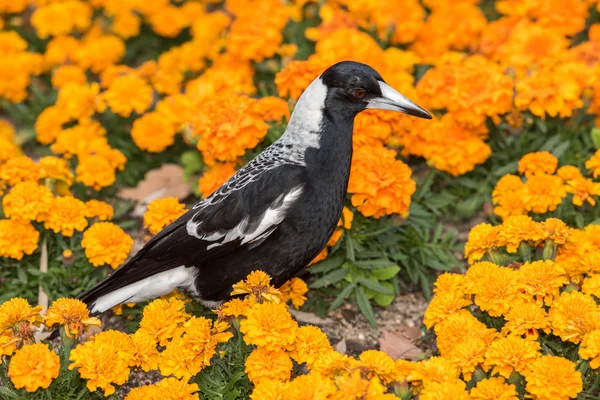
point(353, 87)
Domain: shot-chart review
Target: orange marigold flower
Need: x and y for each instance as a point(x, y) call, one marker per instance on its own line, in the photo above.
point(297, 75)
point(20, 169)
point(526, 319)
point(591, 285)
point(80, 101)
point(77, 139)
point(215, 176)
point(468, 355)
point(49, 124)
point(61, 18)
point(73, 314)
point(311, 342)
point(169, 21)
point(435, 370)
point(476, 274)
point(16, 311)
point(8, 150)
point(27, 201)
point(509, 196)
point(294, 290)
point(172, 388)
point(227, 127)
point(273, 108)
point(590, 348)
point(68, 215)
point(263, 364)
point(332, 364)
point(98, 53)
point(443, 305)
point(162, 212)
point(593, 164)
point(33, 367)
point(95, 171)
point(126, 24)
point(380, 184)
point(541, 162)
point(553, 378)
point(163, 319)
point(511, 353)
point(269, 325)
point(543, 193)
point(146, 354)
point(494, 389)
point(153, 132)
point(56, 168)
point(556, 230)
point(235, 308)
point(541, 280)
point(573, 315)
point(378, 364)
point(68, 74)
point(517, 229)
point(128, 93)
point(497, 291)
point(146, 392)
point(459, 327)
point(106, 243)
point(17, 238)
point(482, 237)
point(99, 209)
point(258, 285)
point(314, 386)
point(583, 189)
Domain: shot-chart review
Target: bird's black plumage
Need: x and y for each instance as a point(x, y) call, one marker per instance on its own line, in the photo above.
point(275, 214)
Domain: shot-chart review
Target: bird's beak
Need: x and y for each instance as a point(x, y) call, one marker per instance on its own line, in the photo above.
point(392, 100)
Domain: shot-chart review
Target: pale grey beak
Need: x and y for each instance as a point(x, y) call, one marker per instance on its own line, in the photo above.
point(392, 100)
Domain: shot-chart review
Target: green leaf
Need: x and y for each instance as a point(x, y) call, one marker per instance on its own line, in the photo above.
point(9, 393)
point(384, 274)
point(327, 264)
point(376, 286)
point(344, 294)
point(191, 161)
point(383, 300)
point(22, 275)
point(331, 278)
point(365, 306)
point(596, 137)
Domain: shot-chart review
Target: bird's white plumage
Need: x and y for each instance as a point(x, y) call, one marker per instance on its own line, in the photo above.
point(149, 288)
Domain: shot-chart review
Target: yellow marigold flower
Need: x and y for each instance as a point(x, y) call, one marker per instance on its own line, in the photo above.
point(179, 359)
point(497, 291)
point(591, 285)
point(13, 7)
point(378, 364)
point(263, 364)
point(468, 355)
point(573, 315)
point(8, 150)
point(448, 282)
point(451, 390)
point(175, 389)
point(314, 387)
point(590, 348)
point(227, 127)
point(235, 308)
point(98, 209)
point(126, 24)
point(18, 310)
point(98, 53)
point(153, 132)
point(475, 275)
point(163, 319)
point(294, 290)
point(332, 364)
point(60, 50)
point(56, 168)
point(543, 193)
point(309, 345)
point(80, 101)
point(511, 353)
point(541, 162)
point(526, 319)
point(593, 164)
point(443, 305)
point(507, 184)
point(73, 314)
point(27, 201)
point(17, 238)
point(162, 212)
point(517, 229)
point(214, 177)
point(508, 196)
point(482, 238)
point(78, 138)
point(96, 172)
point(458, 327)
point(494, 389)
point(103, 361)
point(106, 243)
point(128, 93)
point(49, 124)
point(147, 392)
point(556, 230)
point(258, 285)
point(66, 74)
point(20, 169)
point(33, 367)
point(145, 351)
point(67, 216)
point(269, 325)
point(553, 378)
point(380, 184)
point(8, 344)
point(61, 18)
point(435, 370)
point(582, 190)
point(542, 280)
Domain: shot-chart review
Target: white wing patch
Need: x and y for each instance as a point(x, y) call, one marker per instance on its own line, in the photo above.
point(270, 219)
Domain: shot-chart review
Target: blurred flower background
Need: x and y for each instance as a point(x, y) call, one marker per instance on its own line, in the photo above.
point(116, 116)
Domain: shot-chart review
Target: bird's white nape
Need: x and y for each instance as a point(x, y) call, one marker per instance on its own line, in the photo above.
point(303, 130)
point(154, 286)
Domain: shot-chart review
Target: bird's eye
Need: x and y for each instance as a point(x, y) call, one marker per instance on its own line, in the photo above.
point(359, 93)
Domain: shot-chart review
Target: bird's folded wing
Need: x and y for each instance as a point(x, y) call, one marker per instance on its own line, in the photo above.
point(241, 221)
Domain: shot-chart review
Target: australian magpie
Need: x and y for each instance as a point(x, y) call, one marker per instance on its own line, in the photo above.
point(275, 214)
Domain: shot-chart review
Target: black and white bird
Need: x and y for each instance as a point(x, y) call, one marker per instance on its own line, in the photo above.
point(275, 214)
